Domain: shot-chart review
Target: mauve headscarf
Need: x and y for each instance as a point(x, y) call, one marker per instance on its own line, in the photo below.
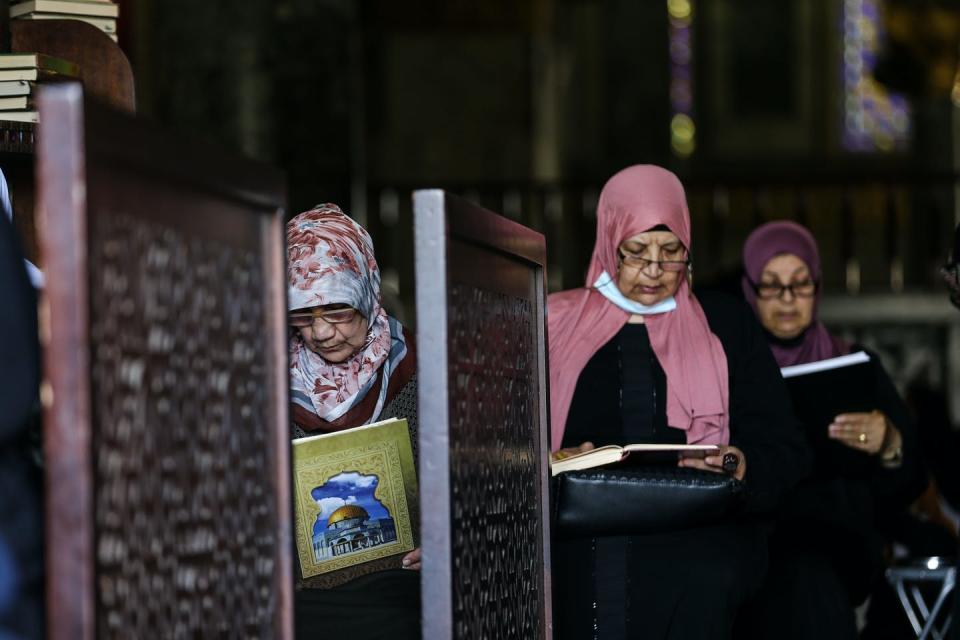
point(777, 238)
point(580, 321)
point(330, 261)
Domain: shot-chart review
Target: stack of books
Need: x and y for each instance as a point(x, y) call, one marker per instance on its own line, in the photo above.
point(19, 73)
point(100, 13)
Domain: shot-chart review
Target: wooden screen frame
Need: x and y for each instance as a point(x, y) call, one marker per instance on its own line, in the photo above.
point(440, 217)
point(76, 134)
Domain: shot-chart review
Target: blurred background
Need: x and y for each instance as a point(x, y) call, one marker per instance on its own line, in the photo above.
point(840, 114)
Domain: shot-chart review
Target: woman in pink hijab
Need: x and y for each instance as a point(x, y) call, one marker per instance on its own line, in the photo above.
point(636, 357)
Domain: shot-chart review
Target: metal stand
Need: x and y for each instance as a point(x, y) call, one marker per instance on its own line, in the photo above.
point(907, 580)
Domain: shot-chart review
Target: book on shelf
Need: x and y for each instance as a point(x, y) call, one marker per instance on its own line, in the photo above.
point(43, 62)
point(101, 9)
point(107, 25)
point(16, 103)
point(15, 88)
point(33, 75)
point(20, 116)
point(822, 390)
point(354, 493)
point(612, 454)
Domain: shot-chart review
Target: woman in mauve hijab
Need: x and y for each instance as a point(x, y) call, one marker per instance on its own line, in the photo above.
point(635, 357)
point(827, 553)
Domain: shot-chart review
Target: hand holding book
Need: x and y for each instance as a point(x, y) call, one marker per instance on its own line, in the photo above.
point(727, 459)
point(571, 451)
point(412, 560)
point(872, 433)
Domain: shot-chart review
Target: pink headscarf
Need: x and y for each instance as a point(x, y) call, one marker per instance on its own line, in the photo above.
point(580, 321)
point(777, 238)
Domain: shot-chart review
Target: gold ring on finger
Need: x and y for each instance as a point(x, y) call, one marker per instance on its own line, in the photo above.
point(862, 438)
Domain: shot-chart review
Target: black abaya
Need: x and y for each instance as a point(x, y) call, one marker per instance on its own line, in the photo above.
point(687, 584)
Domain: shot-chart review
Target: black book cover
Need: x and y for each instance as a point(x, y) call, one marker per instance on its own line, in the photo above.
point(819, 397)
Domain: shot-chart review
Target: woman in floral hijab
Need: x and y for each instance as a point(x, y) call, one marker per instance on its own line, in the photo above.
point(350, 364)
point(348, 358)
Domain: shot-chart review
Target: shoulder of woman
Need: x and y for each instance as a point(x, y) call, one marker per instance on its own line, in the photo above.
point(715, 302)
point(562, 301)
point(410, 339)
point(729, 317)
point(562, 306)
point(408, 365)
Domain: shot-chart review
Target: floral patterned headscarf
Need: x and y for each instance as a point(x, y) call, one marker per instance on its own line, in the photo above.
point(330, 261)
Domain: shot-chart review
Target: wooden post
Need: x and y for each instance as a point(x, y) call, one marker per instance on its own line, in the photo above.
point(482, 376)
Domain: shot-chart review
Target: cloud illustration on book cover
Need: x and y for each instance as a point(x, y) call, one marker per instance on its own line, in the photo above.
point(351, 519)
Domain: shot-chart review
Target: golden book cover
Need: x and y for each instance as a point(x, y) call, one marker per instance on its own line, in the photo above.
point(355, 494)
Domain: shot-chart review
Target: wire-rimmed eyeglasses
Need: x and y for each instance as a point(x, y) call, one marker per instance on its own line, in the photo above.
point(301, 319)
point(639, 262)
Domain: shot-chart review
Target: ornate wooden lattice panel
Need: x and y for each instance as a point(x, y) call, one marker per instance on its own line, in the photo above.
point(483, 430)
point(493, 466)
point(165, 382)
point(184, 515)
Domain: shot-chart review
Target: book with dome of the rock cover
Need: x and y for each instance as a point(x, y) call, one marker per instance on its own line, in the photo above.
point(355, 499)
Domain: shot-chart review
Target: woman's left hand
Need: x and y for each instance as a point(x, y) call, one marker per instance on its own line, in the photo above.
point(715, 462)
point(867, 432)
point(412, 560)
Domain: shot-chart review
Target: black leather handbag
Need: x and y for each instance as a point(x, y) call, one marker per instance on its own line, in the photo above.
point(641, 500)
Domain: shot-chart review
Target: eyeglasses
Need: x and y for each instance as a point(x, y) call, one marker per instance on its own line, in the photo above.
point(771, 290)
point(303, 319)
point(633, 260)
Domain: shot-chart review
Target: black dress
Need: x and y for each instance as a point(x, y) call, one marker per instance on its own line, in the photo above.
point(687, 584)
point(826, 554)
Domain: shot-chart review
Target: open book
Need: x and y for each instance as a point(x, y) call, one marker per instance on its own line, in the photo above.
point(613, 453)
point(354, 495)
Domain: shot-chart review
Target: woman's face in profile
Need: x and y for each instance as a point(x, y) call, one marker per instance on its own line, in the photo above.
point(652, 265)
point(334, 332)
point(785, 297)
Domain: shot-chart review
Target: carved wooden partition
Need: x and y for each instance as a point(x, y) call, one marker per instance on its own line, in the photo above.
point(483, 422)
point(165, 393)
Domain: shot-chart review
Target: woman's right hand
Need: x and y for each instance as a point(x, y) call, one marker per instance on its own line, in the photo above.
point(560, 454)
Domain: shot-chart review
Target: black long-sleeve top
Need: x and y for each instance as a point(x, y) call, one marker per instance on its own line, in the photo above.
point(894, 489)
point(621, 397)
point(844, 507)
